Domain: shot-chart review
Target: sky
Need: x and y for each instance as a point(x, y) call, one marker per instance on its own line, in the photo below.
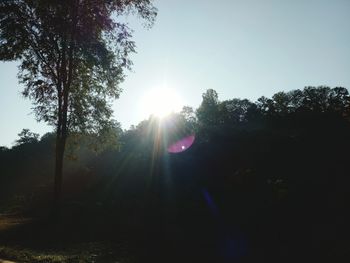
point(240, 48)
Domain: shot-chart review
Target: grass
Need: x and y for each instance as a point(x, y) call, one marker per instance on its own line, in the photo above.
point(26, 255)
point(89, 252)
point(23, 246)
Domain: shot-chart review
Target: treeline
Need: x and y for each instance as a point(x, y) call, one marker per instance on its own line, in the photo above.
point(265, 180)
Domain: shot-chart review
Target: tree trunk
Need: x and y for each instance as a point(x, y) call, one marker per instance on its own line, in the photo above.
point(60, 147)
point(63, 89)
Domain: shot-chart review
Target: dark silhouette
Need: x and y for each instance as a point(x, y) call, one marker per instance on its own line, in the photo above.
point(73, 55)
point(262, 182)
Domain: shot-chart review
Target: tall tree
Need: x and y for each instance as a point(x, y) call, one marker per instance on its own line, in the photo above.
point(73, 54)
point(208, 111)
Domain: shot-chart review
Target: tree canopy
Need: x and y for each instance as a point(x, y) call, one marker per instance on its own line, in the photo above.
point(72, 57)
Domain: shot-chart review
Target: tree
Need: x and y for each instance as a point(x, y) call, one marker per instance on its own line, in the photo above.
point(208, 111)
point(3, 149)
point(265, 105)
point(282, 103)
point(189, 116)
point(27, 137)
point(235, 110)
point(73, 54)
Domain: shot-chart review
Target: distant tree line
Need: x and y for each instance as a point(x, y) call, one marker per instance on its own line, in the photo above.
point(277, 168)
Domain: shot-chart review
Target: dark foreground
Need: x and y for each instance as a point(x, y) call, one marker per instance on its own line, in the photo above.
point(196, 226)
point(263, 182)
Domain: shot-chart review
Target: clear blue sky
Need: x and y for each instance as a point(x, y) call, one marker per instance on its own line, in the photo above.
point(240, 48)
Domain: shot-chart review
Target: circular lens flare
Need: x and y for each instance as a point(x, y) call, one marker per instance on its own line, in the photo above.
point(181, 145)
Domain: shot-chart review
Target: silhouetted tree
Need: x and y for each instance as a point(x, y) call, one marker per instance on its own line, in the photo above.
point(265, 105)
point(72, 55)
point(27, 137)
point(208, 111)
point(3, 149)
point(190, 116)
point(282, 103)
point(235, 111)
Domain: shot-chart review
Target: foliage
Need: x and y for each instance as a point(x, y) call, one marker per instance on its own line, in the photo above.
point(72, 55)
point(208, 111)
point(26, 137)
point(267, 173)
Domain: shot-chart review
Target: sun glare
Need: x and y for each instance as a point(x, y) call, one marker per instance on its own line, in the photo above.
point(161, 102)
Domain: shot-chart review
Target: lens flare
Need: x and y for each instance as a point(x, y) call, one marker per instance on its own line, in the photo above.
point(181, 145)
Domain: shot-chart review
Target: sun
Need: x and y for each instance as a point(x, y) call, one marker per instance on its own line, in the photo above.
point(161, 102)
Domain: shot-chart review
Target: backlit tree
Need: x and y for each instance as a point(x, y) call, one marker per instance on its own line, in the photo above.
point(72, 56)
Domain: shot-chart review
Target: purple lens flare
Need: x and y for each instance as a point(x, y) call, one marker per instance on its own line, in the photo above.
point(181, 145)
